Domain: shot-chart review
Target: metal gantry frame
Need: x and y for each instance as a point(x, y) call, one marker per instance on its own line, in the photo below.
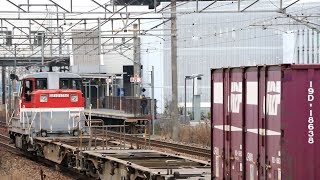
point(66, 19)
point(59, 35)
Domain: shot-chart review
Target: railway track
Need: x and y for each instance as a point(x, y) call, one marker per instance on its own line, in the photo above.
point(4, 143)
point(187, 149)
point(4, 137)
point(3, 124)
point(179, 148)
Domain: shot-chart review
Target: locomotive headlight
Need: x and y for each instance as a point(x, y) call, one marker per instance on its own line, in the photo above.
point(43, 98)
point(74, 98)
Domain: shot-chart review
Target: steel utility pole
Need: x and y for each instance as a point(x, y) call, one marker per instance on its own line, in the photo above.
point(42, 50)
point(152, 99)
point(174, 72)
point(14, 89)
point(99, 43)
point(3, 74)
point(136, 59)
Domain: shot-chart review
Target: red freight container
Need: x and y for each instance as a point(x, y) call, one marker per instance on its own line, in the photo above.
point(266, 122)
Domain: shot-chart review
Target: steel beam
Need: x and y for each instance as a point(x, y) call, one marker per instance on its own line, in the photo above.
point(76, 18)
point(16, 6)
point(208, 6)
point(101, 6)
point(15, 26)
point(290, 5)
point(59, 6)
point(307, 24)
point(250, 5)
point(27, 61)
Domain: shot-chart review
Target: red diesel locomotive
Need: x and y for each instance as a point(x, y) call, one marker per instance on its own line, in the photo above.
point(50, 104)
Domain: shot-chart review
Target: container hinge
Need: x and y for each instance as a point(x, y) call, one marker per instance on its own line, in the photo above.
point(268, 167)
point(245, 129)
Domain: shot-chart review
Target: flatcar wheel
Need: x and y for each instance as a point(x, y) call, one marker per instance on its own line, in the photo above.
point(92, 170)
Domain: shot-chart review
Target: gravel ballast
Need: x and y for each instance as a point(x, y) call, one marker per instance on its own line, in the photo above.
point(15, 167)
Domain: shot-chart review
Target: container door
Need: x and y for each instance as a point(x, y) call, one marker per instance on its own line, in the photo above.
point(227, 123)
point(300, 157)
point(235, 120)
point(252, 124)
point(270, 129)
point(217, 124)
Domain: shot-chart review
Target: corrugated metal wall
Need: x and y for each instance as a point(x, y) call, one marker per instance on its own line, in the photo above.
point(85, 52)
point(302, 47)
point(307, 47)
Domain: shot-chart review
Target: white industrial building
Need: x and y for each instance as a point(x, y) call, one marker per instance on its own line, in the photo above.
point(213, 40)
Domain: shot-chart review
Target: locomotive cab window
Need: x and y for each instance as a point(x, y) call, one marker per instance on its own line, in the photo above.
point(41, 83)
point(70, 84)
point(28, 88)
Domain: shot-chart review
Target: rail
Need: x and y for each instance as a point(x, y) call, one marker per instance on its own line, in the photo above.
point(181, 148)
point(3, 124)
point(67, 171)
point(4, 137)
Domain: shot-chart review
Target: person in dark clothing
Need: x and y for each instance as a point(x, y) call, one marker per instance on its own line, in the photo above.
point(144, 103)
point(27, 94)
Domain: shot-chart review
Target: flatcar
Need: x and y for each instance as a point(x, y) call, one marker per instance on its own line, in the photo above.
point(50, 104)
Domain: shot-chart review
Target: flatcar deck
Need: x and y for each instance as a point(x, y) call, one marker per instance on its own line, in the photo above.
point(112, 160)
point(154, 162)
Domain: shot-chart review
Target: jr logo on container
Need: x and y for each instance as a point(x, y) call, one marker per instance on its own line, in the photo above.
point(273, 97)
point(236, 97)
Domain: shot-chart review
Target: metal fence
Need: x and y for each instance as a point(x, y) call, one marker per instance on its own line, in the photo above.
point(129, 105)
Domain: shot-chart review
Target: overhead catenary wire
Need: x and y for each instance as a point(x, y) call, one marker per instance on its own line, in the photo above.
point(191, 37)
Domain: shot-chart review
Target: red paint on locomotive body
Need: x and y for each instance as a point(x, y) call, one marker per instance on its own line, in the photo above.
point(56, 98)
point(264, 122)
point(51, 90)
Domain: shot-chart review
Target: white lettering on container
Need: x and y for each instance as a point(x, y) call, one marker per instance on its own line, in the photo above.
point(252, 93)
point(216, 151)
point(249, 157)
point(273, 97)
point(310, 118)
point(252, 171)
point(218, 93)
point(236, 97)
point(217, 166)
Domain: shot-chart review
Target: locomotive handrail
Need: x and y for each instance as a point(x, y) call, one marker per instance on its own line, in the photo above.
point(94, 124)
point(6, 107)
point(30, 126)
point(22, 121)
point(11, 117)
